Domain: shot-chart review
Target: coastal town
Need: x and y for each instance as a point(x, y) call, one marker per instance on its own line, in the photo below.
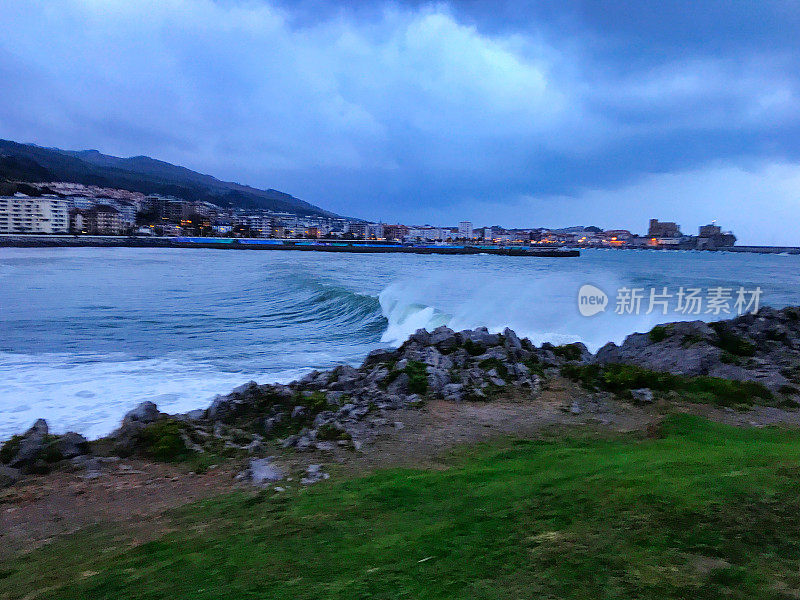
point(77, 209)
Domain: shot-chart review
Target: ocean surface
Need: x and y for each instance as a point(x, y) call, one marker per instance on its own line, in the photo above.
point(88, 333)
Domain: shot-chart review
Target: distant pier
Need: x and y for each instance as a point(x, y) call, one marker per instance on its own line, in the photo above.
point(358, 247)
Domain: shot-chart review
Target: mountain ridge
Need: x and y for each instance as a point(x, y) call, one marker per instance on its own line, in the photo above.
point(31, 163)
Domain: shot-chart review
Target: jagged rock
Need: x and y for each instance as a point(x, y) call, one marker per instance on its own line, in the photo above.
point(290, 441)
point(379, 356)
point(512, 342)
point(298, 412)
point(399, 385)
point(314, 474)
point(481, 337)
point(303, 443)
point(444, 338)
point(30, 446)
point(421, 337)
point(195, 415)
point(71, 444)
point(8, 476)
point(262, 471)
point(146, 412)
point(643, 395)
point(437, 379)
point(454, 392)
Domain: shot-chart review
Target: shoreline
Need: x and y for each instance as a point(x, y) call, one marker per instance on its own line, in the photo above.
point(357, 247)
point(750, 360)
point(352, 246)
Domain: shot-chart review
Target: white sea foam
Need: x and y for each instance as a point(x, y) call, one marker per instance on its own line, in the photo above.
point(91, 394)
point(543, 309)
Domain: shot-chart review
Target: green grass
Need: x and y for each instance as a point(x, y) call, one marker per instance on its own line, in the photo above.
point(705, 511)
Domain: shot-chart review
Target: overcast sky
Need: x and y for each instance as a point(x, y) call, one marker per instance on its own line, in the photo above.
point(512, 113)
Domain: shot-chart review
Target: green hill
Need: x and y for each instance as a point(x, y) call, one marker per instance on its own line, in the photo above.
point(30, 163)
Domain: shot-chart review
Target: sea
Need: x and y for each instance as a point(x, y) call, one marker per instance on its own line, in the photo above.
point(88, 333)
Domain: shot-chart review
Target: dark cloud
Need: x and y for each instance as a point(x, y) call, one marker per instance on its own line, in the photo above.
point(416, 111)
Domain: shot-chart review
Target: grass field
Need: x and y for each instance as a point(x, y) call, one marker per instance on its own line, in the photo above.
point(705, 511)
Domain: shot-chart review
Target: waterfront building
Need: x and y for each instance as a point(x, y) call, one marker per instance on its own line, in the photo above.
point(395, 232)
point(664, 229)
point(98, 220)
point(711, 237)
point(23, 214)
point(465, 229)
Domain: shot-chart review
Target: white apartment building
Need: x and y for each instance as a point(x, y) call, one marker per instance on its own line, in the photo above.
point(465, 229)
point(21, 214)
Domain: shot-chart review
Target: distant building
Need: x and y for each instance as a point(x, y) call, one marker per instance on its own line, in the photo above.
point(711, 237)
point(22, 214)
point(259, 225)
point(465, 229)
point(98, 220)
point(664, 229)
point(358, 230)
point(374, 231)
point(395, 232)
point(616, 237)
point(709, 230)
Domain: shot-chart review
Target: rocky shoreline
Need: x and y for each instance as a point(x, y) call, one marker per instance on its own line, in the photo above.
point(752, 359)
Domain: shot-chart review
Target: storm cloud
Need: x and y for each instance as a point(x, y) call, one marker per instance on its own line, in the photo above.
point(511, 113)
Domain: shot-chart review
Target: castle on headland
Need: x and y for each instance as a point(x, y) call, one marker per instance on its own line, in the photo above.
point(668, 234)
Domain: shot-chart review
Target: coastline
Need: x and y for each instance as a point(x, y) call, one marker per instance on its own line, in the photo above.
point(70, 241)
point(743, 362)
point(354, 246)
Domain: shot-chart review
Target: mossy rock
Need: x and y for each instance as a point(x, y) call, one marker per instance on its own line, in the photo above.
point(163, 441)
point(621, 378)
point(659, 333)
point(568, 351)
point(9, 449)
point(331, 433)
point(495, 363)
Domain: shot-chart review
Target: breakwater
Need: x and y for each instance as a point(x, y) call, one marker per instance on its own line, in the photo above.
point(70, 241)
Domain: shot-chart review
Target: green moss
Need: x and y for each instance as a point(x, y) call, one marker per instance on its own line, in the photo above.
point(691, 340)
point(328, 432)
point(620, 379)
point(730, 359)
point(568, 351)
point(51, 453)
point(10, 449)
point(534, 365)
point(659, 333)
point(315, 403)
point(495, 363)
point(732, 343)
point(417, 377)
point(163, 441)
point(473, 349)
